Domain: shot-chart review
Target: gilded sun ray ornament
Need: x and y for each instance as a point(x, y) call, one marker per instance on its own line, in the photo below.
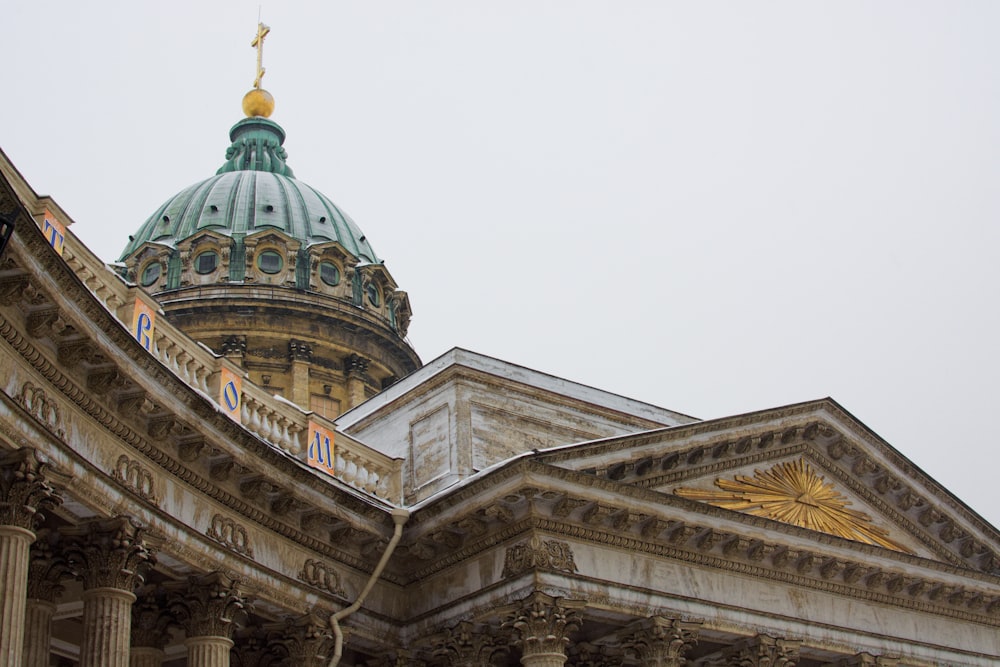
point(792, 492)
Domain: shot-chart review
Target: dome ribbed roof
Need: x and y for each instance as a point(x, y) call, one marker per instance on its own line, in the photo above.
point(254, 190)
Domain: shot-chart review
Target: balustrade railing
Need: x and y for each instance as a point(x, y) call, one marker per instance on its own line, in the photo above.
point(278, 422)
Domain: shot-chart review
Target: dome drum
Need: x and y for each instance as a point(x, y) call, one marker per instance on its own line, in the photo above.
point(254, 253)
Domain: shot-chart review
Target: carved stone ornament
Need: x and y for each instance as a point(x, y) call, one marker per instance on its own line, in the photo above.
point(468, 643)
point(107, 553)
point(37, 404)
point(865, 660)
point(792, 492)
point(231, 534)
point(321, 575)
point(24, 488)
point(151, 620)
point(660, 641)
point(762, 651)
point(542, 623)
point(47, 567)
point(136, 478)
point(538, 553)
point(307, 641)
point(208, 605)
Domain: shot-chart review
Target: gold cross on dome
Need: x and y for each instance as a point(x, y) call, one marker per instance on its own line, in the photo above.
point(258, 43)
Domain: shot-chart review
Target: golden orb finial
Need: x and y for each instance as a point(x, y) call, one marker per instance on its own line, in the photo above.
point(258, 102)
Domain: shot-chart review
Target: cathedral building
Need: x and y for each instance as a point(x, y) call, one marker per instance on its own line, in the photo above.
point(221, 449)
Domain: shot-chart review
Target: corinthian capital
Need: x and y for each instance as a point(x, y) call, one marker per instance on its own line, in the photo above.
point(208, 605)
point(25, 487)
point(660, 641)
point(543, 623)
point(47, 568)
point(108, 553)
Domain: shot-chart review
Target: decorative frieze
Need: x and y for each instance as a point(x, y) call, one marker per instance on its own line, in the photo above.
point(231, 534)
point(37, 404)
point(319, 574)
point(537, 553)
point(136, 478)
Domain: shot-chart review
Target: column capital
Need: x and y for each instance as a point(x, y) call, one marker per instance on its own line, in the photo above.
point(26, 487)
point(151, 622)
point(207, 605)
point(660, 641)
point(47, 568)
point(467, 644)
point(307, 640)
point(108, 553)
point(763, 651)
point(542, 623)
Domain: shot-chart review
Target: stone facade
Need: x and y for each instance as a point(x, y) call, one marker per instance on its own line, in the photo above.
point(510, 517)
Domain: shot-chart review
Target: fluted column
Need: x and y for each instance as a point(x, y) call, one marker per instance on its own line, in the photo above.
point(542, 624)
point(207, 606)
point(110, 558)
point(14, 545)
point(38, 633)
point(659, 641)
point(208, 651)
point(46, 572)
point(24, 490)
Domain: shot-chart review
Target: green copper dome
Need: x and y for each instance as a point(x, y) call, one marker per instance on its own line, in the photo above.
point(254, 190)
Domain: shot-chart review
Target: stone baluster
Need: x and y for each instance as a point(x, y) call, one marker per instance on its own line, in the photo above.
point(659, 641)
point(110, 557)
point(208, 607)
point(306, 641)
point(151, 626)
point(542, 625)
point(45, 575)
point(25, 489)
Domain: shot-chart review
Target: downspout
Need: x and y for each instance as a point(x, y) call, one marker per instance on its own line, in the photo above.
point(400, 517)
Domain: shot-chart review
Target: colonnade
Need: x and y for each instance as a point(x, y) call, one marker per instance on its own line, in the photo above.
point(128, 623)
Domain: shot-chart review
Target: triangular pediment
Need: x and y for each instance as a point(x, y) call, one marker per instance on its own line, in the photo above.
point(812, 466)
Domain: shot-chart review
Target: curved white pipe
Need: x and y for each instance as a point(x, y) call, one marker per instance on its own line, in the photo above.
point(400, 517)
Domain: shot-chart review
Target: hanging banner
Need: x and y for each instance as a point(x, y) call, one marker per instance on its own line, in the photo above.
point(143, 319)
point(54, 231)
point(231, 393)
point(321, 448)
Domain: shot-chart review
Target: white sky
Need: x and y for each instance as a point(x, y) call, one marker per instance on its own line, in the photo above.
point(715, 207)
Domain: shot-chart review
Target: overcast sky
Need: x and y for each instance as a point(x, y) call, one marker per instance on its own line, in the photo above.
point(715, 207)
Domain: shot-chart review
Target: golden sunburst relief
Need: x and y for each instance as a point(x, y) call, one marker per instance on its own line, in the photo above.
point(793, 493)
